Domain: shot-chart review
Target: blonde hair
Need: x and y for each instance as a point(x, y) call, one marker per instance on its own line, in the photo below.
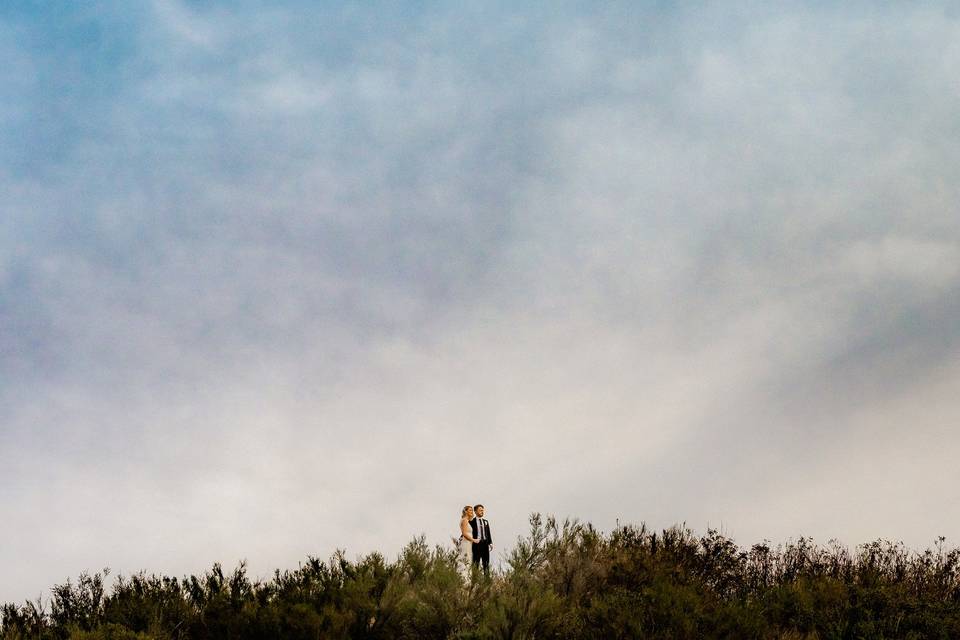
point(464, 512)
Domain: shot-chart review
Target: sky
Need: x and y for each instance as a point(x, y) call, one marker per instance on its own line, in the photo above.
point(278, 280)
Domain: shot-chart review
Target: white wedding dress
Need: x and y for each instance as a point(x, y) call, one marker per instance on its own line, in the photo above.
point(464, 556)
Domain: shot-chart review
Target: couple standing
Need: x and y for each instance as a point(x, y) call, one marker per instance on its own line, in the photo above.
point(475, 540)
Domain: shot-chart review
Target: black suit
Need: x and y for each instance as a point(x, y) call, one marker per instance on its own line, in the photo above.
point(481, 550)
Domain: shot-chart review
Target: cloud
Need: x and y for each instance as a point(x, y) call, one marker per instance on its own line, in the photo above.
point(184, 24)
point(276, 282)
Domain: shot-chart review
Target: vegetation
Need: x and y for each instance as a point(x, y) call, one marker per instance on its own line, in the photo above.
point(563, 580)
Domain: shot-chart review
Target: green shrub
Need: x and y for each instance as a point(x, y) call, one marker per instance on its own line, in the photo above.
point(563, 580)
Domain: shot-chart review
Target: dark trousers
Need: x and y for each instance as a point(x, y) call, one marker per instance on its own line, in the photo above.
point(481, 555)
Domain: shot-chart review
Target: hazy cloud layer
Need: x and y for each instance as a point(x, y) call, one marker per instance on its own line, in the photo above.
point(276, 281)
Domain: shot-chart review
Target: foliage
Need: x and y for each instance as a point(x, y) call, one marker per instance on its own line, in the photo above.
point(564, 580)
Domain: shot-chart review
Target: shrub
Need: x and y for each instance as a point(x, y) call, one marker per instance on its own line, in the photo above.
point(563, 580)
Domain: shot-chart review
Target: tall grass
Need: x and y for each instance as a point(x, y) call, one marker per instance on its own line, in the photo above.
point(562, 580)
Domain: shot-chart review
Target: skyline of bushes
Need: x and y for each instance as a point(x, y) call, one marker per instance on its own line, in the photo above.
point(562, 580)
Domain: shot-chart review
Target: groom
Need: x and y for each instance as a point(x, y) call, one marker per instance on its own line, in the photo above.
point(481, 531)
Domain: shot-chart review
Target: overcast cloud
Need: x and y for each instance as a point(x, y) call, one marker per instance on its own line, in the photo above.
point(278, 281)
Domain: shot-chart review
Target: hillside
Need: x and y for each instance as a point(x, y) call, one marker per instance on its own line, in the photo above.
point(562, 580)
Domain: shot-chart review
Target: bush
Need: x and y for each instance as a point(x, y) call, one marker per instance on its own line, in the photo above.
point(563, 580)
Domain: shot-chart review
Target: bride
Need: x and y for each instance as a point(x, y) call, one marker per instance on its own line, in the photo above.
point(466, 541)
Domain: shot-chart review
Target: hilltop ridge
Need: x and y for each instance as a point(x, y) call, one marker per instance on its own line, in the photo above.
point(561, 580)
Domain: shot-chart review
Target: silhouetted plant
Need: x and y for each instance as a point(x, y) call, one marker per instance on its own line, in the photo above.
point(563, 580)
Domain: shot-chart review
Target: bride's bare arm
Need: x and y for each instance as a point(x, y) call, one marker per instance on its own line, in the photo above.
point(465, 530)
